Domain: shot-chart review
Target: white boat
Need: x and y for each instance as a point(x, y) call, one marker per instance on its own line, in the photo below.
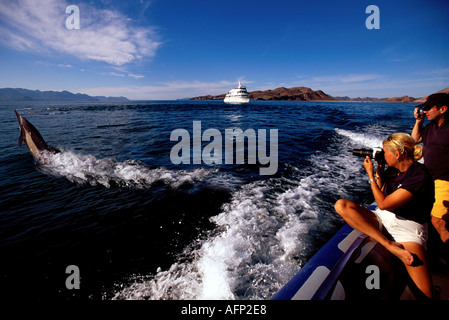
point(238, 95)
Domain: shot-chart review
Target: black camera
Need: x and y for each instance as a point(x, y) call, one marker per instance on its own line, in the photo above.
point(376, 154)
point(420, 111)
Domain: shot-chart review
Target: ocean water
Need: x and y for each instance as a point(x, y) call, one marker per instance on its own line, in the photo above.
point(137, 226)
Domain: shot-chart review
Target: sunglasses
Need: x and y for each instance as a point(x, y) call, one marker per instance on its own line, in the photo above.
point(399, 144)
point(427, 108)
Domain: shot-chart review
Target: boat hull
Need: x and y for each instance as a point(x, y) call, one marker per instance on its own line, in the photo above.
point(236, 100)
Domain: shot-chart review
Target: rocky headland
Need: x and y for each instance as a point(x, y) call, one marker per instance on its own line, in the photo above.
point(284, 94)
point(307, 94)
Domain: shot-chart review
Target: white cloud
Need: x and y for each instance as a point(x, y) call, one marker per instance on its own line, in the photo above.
point(115, 74)
point(135, 76)
point(123, 74)
point(104, 35)
point(378, 85)
point(353, 84)
point(346, 78)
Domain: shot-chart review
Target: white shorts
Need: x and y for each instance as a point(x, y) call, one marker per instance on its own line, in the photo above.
point(400, 229)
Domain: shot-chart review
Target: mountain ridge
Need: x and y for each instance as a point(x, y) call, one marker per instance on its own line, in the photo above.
point(307, 94)
point(21, 94)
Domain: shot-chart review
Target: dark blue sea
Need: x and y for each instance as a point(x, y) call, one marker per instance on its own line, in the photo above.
point(137, 226)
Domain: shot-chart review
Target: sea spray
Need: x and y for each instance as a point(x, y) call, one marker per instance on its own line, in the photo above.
point(108, 172)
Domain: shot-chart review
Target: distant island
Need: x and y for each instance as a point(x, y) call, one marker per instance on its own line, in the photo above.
point(307, 94)
point(19, 94)
point(284, 94)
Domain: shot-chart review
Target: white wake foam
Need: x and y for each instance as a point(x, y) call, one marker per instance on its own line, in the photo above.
point(87, 169)
point(264, 234)
point(253, 250)
point(368, 140)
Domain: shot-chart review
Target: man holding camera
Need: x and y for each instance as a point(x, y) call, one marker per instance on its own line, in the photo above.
point(435, 138)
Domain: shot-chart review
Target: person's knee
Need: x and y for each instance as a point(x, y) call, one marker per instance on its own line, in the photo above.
point(437, 222)
point(341, 205)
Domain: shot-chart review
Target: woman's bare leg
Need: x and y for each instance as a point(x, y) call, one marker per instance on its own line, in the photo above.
point(419, 271)
point(365, 221)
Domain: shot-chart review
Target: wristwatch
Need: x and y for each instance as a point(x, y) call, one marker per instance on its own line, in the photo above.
point(371, 180)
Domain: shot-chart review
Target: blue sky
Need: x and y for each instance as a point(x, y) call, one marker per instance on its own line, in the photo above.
point(170, 49)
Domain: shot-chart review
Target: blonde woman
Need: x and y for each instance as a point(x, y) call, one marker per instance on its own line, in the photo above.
point(404, 194)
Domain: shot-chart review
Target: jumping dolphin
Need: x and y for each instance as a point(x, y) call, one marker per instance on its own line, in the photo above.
point(33, 139)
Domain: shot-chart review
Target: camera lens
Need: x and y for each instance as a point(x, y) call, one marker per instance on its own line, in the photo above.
point(363, 153)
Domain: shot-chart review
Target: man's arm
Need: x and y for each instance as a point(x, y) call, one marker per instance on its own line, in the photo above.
point(417, 129)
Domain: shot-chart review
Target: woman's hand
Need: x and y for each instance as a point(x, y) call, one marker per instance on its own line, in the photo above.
point(369, 167)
